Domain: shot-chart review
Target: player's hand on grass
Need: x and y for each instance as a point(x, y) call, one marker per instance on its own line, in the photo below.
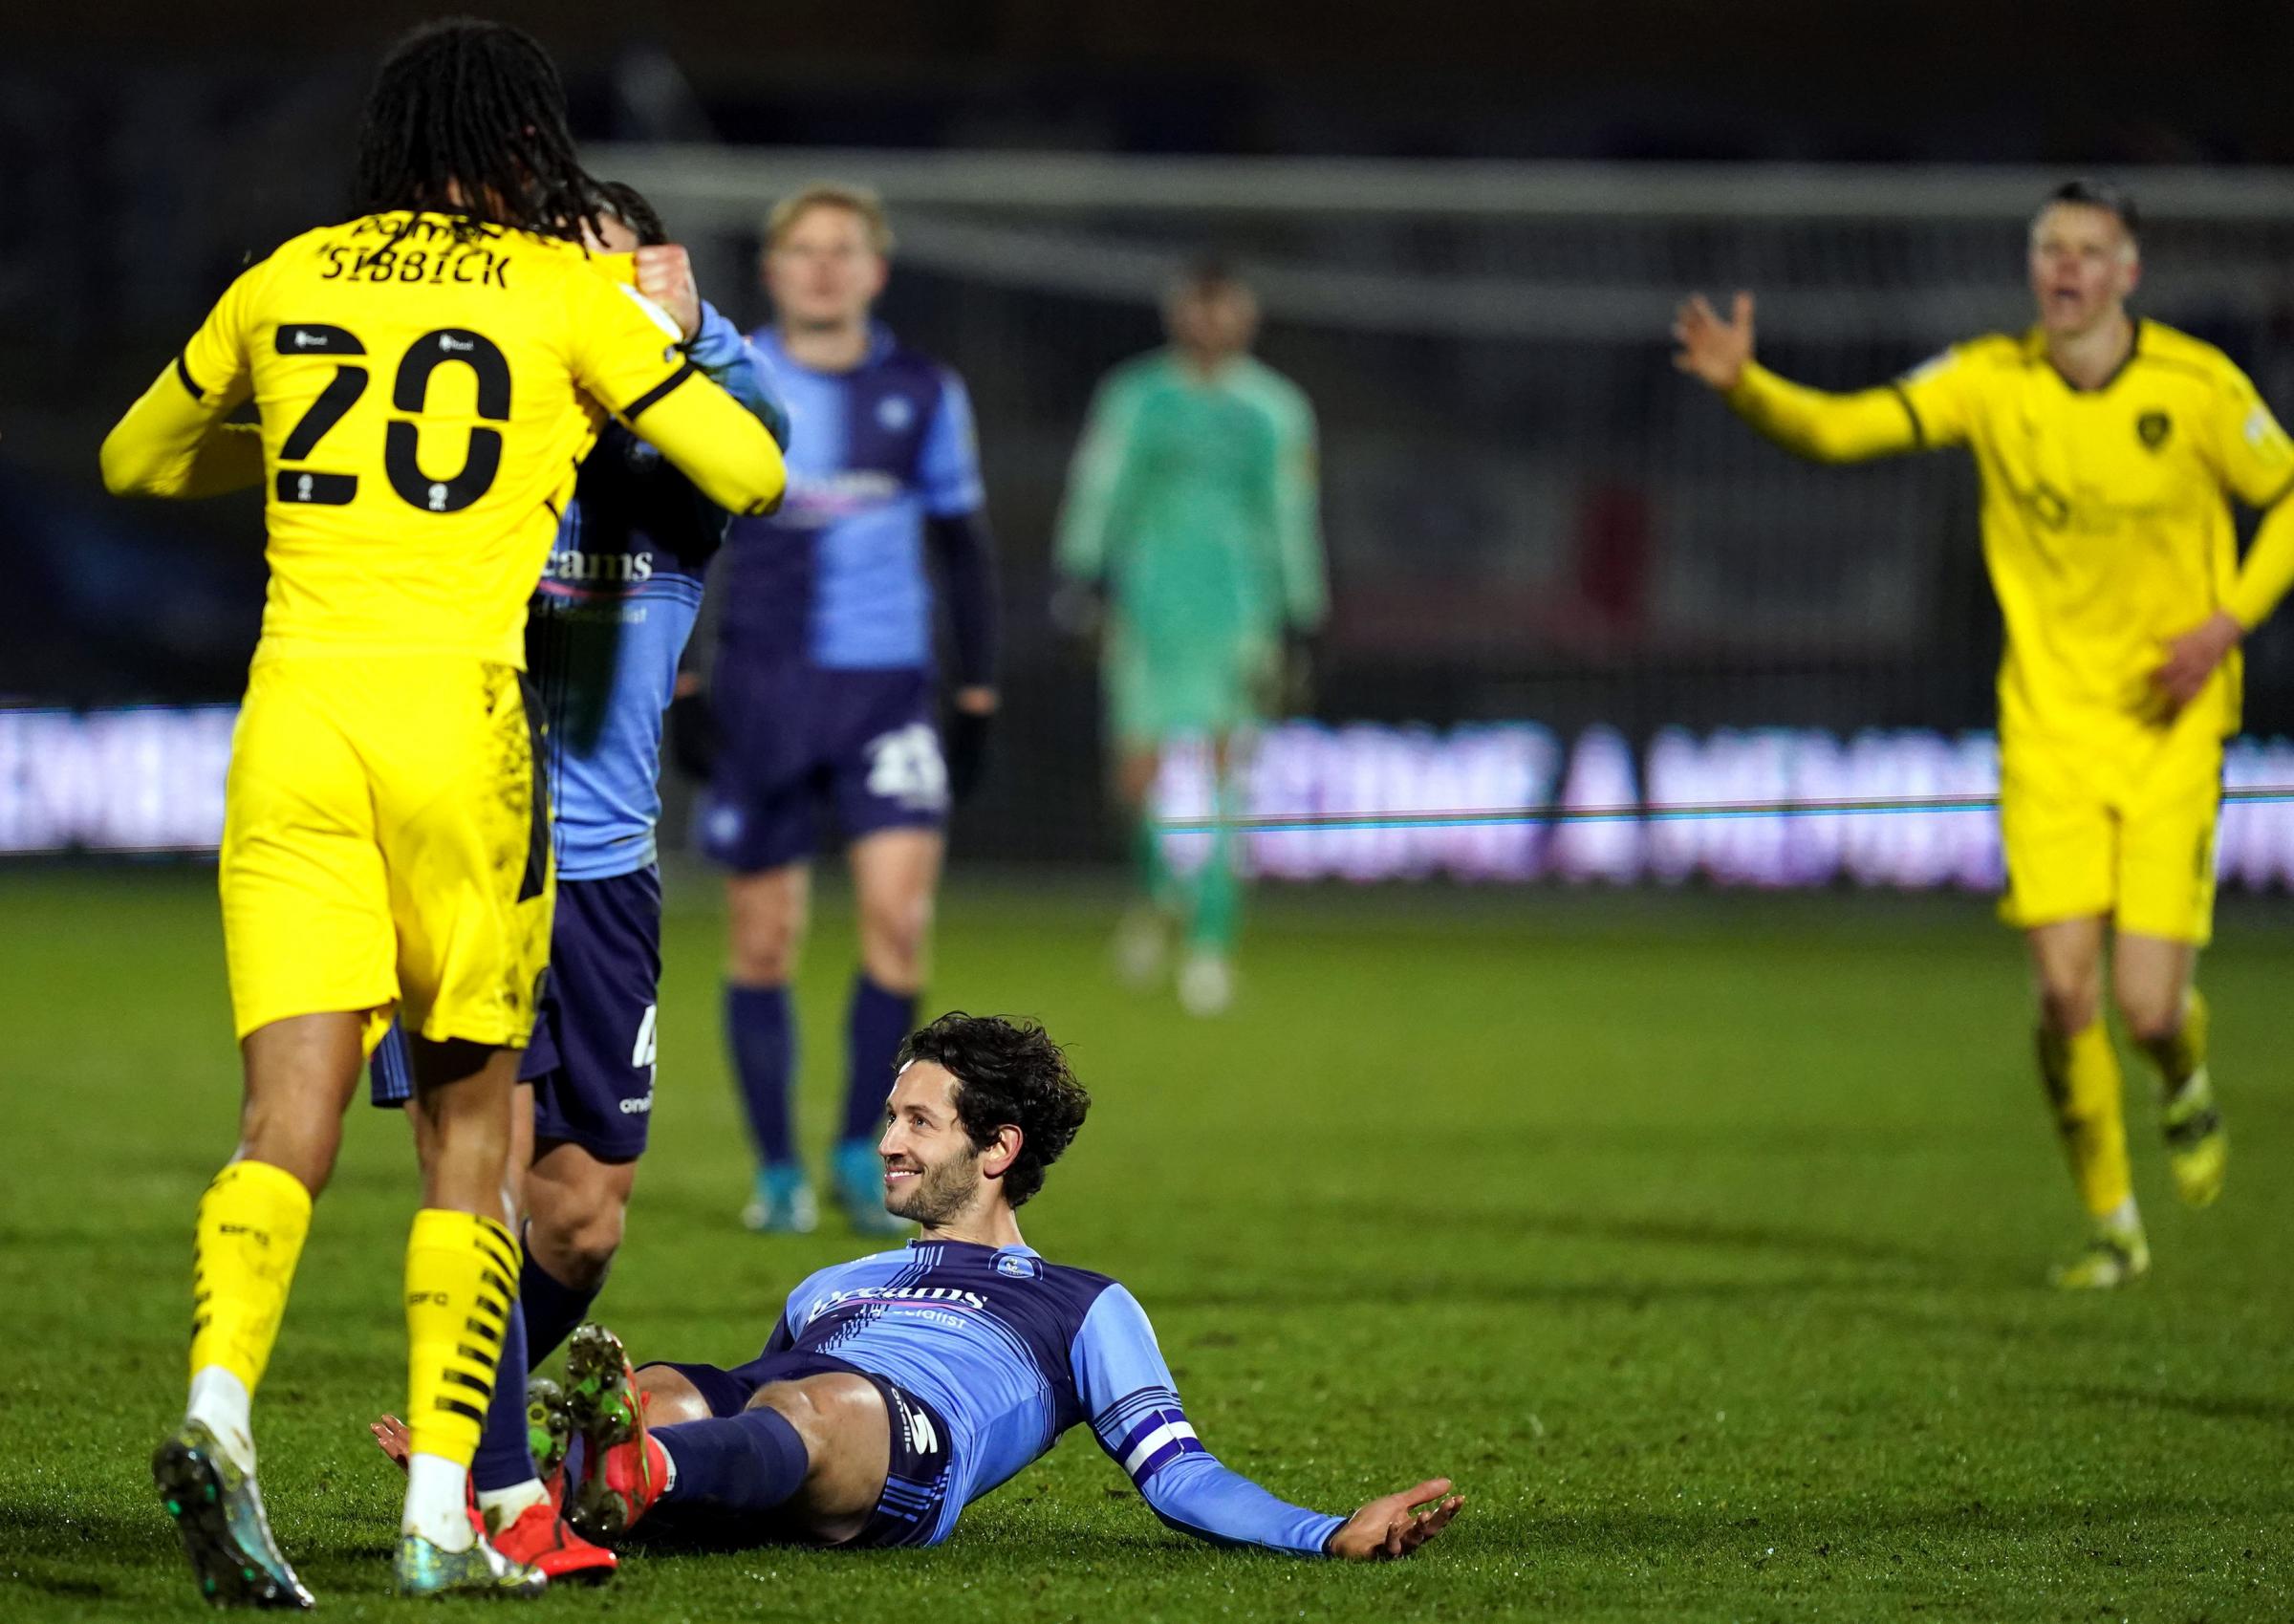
point(393, 1439)
point(2192, 657)
point(665, 276)
point(1712, 350)
point(1397, 1524)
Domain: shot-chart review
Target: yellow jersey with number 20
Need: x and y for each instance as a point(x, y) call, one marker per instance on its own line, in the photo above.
point(425, 389)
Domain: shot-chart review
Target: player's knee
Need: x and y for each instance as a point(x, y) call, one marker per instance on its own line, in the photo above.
point(2151, 1016)
point(2068, 1005)
point(578, 1247)
point(794, 1402)
point(765, 954)
point(894, 938)
point(767, 932)
point(670, 1396)
point(304, 1147)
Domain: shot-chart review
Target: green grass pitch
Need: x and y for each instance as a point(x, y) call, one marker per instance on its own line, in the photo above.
point(1699, 1238)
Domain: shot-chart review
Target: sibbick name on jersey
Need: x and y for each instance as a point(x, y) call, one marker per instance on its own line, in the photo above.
point(467, 264)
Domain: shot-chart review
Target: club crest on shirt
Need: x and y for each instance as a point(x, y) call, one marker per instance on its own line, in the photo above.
point(1019, 1265)
point(894, 412)
point(2152, 428)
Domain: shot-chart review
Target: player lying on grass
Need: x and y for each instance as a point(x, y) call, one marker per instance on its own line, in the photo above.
point(897, 1389)
point(2110, 450)
point(427, 375)
point(603, 636)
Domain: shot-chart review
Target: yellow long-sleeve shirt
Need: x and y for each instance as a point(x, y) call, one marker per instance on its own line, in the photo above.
point(2107, 522)
point(424, 394)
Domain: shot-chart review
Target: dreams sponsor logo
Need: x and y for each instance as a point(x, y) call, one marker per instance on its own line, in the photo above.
point(932, 1294)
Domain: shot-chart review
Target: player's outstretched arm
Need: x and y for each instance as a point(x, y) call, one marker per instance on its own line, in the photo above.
point(1827, 428)
point(1139, 1419)
point(1397, 1524)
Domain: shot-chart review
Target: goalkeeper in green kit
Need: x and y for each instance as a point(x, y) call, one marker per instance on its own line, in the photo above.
point(1191, 511)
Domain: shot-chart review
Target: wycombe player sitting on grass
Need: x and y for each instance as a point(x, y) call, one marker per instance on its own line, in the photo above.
point(1192, 508)
point(426, 374)
point(603, 637)
point(2110, 450)
point(897, 1389)
point(823, 687)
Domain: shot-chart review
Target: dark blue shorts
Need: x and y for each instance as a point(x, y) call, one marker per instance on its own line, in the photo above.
point(590, 1055)
point(920, 1476)
point(793, 736)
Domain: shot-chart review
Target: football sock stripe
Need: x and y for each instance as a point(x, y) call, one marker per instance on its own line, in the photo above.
point(454, 1329)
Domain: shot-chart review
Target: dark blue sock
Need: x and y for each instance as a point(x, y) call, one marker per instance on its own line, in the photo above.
point(502, 1460)
point(550, 1310)
point(761, 1027)
point(750, 1461)
point(876, 1025)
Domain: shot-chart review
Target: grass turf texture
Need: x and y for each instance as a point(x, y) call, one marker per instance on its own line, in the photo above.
point(1700, 1239)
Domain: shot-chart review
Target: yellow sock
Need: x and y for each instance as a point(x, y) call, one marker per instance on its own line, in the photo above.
point(462, 1273)
point(2179, 1057)
point(251, 1225)
point(2082, 1075)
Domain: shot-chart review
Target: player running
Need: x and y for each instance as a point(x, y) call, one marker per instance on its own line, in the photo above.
point(2108, 448)
point(426, 376)
point(604, 633)
point(824, 686)
point(896, 1390)
point(1192, 505)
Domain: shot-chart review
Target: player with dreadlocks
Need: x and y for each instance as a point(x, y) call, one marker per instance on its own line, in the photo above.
point(467, 119)
point(427, 373)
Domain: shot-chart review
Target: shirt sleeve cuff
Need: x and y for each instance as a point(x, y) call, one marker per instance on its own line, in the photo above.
point(718, 343)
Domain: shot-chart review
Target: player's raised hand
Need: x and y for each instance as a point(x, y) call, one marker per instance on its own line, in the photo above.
point(1713, 350)
point(665, 276)
point(1398, 1523)
point(2192, 657)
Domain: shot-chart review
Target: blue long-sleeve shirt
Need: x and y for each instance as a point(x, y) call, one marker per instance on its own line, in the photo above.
point(609, 620)
point(1013, 1350)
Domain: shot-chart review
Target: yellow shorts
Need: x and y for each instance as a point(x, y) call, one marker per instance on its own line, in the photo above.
point(2127, 832)
point(386, 845)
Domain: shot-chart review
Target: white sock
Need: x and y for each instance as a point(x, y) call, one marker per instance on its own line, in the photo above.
point(438, 1505)
point(220, 1403)
point(503, 1506)
point(2124, 1216)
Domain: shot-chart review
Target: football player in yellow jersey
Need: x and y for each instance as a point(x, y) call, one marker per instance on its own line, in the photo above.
point(2109, 450)
point(424, 378)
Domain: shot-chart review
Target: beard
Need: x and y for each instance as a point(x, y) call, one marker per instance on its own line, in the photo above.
point(937, 1193)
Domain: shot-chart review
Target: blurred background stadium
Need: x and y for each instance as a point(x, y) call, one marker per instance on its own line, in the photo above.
point(1698, 1232)
point(1468, 254)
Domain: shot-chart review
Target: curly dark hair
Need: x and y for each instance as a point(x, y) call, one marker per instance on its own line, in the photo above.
point(469, 119)
point(1008, 1074)
point(629, 206)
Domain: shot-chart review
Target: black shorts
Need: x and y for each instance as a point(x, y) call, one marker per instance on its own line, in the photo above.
point(590, 1055)
point(914, 1507)
point(795, 736)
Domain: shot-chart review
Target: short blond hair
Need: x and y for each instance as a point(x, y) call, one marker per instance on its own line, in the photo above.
point(861, 201)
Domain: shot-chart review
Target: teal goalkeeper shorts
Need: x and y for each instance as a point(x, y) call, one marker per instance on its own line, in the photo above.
point(1162, 690)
